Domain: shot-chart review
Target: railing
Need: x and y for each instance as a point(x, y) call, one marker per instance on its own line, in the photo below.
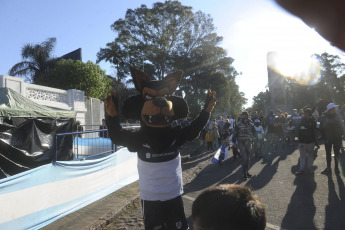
point(91, 143)
point(91, 146)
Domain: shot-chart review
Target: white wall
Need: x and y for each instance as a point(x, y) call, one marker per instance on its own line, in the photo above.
point(71, 99)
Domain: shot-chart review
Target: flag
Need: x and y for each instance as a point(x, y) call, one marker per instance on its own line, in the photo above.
point(221, 154)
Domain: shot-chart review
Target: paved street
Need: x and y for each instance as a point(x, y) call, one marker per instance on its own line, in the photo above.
point(309, 201)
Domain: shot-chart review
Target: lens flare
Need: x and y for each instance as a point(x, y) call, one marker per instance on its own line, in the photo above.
point(301, 68)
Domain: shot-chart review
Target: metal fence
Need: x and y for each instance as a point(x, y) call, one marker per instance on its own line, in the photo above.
point(91, 142)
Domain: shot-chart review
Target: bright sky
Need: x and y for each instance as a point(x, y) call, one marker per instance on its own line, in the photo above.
point(250, 29)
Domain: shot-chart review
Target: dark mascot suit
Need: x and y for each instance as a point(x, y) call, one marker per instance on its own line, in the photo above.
point(157, 143)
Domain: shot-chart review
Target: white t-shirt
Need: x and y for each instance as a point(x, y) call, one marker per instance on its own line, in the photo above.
point(259, 132)
point(231, 121)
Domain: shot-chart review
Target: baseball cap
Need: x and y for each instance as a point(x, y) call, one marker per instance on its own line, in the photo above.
point(331, 106)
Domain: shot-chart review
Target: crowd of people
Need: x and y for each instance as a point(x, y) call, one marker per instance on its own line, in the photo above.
point(256, 135)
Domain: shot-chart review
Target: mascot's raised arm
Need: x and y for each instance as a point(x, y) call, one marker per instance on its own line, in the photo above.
point(157, 144)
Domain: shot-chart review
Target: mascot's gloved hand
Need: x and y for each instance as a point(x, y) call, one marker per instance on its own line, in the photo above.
point(112, 104)
point(211, 101)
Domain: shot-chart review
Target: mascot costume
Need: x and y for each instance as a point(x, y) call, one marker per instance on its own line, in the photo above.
point(157, 144)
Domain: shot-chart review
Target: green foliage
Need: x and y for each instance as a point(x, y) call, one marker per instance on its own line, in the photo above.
point(37, 60)
point(168, 37)
point(329, 89)
point(69, 74)
point(259, 102)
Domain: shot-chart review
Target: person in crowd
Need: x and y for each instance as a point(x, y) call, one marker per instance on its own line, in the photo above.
point(278, 134)
point(243, 135)
point(234, 148)
point(78, 128)
point(316, 114)
point(332, 129)
point(291, 132)
point(301, 113)
point(220, 122)
point(258, 138)
point(232, 123)
point(215, 132)
point(254, 116)
point(306, 139)
point(262, 119)
point(103, 134)
point(228, 206)
point(295, 118)
point(226, 129)
point(209, 140)
point(284, 120)
point(270, 127)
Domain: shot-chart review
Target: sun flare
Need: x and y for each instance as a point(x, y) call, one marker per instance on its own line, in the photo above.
point(300, 67)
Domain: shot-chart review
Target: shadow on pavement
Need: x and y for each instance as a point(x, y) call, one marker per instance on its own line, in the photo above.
point(213, 175)
point(266, 174)
point(230, 172)
point(301, 209)
point(192, 161)
point(335, 210)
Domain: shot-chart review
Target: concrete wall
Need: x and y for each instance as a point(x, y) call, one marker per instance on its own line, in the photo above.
point(71, 99)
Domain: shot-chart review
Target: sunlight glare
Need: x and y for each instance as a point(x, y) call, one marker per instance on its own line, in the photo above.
point(300, 67)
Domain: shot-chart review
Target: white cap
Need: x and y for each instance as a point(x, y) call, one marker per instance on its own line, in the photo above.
point(331, 106)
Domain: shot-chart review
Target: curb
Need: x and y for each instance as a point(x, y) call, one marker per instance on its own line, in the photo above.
point(108, 218)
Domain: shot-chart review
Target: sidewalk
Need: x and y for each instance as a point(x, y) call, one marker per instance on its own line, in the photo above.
point(100, 213)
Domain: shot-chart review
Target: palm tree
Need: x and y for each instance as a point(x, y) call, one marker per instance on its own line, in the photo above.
point(36, 60)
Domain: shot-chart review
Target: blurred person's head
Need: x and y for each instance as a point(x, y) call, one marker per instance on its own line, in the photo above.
point(332, 108)
point(307, 112)
point(256, 122)
point(228, 206)
point(244, 116)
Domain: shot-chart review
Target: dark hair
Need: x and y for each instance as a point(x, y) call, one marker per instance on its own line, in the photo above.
point(229, 206)
point(308, 111)
point(244, 113)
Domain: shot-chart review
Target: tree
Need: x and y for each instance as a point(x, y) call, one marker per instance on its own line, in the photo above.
point(332, 70)
point(330, 87)
point(37, 60)
point(70, 74)
point(169, 37)
point(260, 101)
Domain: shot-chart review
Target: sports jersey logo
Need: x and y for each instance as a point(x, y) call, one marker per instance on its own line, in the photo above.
point(179, 225)
point(148, 155)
